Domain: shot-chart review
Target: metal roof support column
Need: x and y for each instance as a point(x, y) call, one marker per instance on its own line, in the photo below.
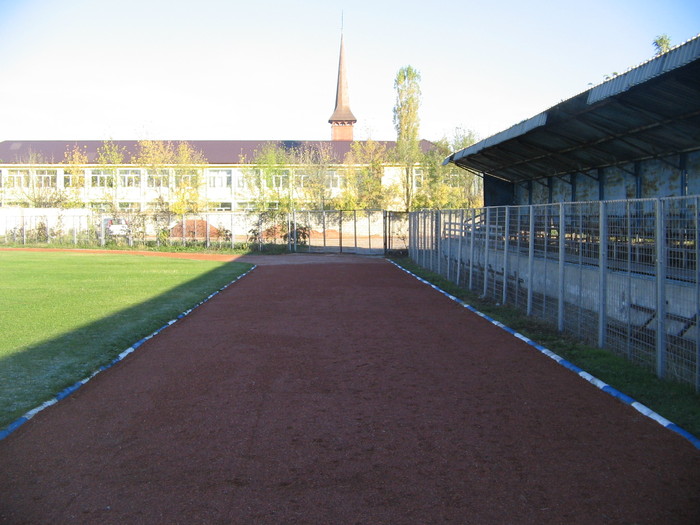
point(601, 184)
point(550, 190)
point(637, 180)
point(683, 165)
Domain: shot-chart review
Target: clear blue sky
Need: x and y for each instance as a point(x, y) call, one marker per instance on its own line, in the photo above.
point(216, 69)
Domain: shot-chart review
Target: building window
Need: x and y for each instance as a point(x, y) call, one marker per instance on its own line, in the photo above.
point(185, 178)
point(221, 206)
point(302, 179)
point(74, 178)
point(418, 178)
point(130, 178)
point(219, 179)
point(334, 180)
point(157, 178)
point(16, 179)
point(280, 180)
point(102, 179)
point(45, 178)
point(129, 206)
point(100, 206)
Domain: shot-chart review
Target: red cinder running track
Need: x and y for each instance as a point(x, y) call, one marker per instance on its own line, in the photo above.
point(345, 392)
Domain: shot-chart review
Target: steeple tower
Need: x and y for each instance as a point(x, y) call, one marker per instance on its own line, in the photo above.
point(342, 120)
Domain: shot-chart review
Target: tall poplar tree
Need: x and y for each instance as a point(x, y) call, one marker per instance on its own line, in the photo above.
point(407, 126)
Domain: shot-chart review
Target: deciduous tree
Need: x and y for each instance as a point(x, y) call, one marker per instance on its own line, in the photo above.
point(316, 178)
point(271, 180)
point(407, 124)
point(449, 187)
point(363, 185)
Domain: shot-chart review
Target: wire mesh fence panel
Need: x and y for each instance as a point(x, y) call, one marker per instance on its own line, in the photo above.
point(632, 294)
point(580, 292)
point(519, 242)
point(619, 274)
point(396, 237)
point(681, 290)
point(543, 303)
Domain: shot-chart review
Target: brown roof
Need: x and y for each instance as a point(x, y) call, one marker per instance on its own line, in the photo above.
point(215, 151)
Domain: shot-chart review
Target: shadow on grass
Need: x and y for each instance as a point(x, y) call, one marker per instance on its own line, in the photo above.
point(40, 372)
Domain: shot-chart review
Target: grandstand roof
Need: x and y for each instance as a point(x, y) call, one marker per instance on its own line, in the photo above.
point(650, 111)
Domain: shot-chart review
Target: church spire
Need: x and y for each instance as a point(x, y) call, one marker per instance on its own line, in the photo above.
point(342, 120)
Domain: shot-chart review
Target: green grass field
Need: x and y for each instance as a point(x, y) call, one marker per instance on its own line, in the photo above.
point(64, 314)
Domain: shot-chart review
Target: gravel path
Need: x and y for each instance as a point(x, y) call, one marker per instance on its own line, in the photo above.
point(344, 392)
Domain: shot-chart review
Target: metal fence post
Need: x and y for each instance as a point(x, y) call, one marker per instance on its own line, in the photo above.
point(487, 232)
point(660, 289)
point(697, 293)
point(233, 233)
point(421, 223)
point(206, 225)
point(448, 240)
point(385, 218)
point(506, 238)
point(296, 228)
point(354, 225)
point(437, 245)
point(429, 238)
point(369, 231)
point(471, 250)
point(562, 258)
point(460, 232)
point(602, 273)
point(411, 234)
point(531, 260)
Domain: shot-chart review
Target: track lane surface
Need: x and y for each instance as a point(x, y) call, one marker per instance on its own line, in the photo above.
point(342, 393)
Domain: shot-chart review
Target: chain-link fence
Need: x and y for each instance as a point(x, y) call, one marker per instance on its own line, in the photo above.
point(367, 232)
point(619, 274)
